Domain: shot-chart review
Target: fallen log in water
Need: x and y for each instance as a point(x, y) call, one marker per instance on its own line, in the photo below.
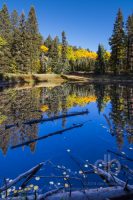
point(119, 190)
point(48, 135)
point(30, 173)
point(109, 193)
point(110, 179)
point(126, 168)
point(121, 155)
point(35, 121)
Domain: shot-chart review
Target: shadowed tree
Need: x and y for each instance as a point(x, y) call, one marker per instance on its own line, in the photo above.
point(5, 33)
point(118, 45)
point(130, 44)
point(100, 61)
point(35, 40)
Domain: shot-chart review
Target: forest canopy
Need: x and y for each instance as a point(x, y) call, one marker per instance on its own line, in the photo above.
point(24, 50)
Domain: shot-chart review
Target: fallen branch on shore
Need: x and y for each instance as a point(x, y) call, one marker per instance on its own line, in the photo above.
point(48, 135)
point(35, 121)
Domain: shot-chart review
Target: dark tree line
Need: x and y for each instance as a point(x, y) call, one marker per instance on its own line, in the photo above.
point(121, 43)
point(21, 52)
point(20, 42)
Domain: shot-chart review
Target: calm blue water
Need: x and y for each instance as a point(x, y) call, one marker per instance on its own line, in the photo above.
point(107, 126)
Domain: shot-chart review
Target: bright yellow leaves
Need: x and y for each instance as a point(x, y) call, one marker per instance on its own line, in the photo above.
point(44, 108)
point(107, 55)
point(78, 54)
point(2, 118)
point(44, 48)
point(3, 42)
point(81, 101)
point(83, 53)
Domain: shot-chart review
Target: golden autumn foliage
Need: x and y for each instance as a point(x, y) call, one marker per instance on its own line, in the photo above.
point(83, 53)
point(78, 54)
point(44, 48)
point(81, 101)
point(107, 55)
point(44, 108)
point(2, 118)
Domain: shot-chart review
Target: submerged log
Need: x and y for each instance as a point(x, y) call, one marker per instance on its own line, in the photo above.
point(48, 135)
point(110, 179)
point(121, 155)
point(126, 168)
point(35, 121)
point(31, 172)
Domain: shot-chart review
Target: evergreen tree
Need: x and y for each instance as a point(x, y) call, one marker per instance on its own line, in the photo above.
point(100, 62)
point(14, 20)
point(15, 41)
point(118, 45)
point(130, 44)
point(55, 56)
point(35, 40)
point(5, 33)
point(64, 51)
point(21, 46)
point(48, 44)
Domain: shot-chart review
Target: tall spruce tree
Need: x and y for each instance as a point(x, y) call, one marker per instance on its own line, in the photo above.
point(100, 62)
point(35, 40)
point(22, 46)
point(64, 51)
point(14, 20)
point(130, 44)
point(48, 44)
point(118, 45)
point(15, 41)
point(55, 56)
point(5, 33)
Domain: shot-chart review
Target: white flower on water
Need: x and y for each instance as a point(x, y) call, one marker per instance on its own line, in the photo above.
point(36, 187)
point(85, 165)
point(100, 165)
point(37, 178)
point(51, 183)
point(66, 185)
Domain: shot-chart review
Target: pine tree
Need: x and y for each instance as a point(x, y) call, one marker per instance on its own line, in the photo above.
point(55, 56)
point(21, 46)
point(118, 45)
point(100, 62)
point(15, 41)
point(48, 44)
point(14, 20)
point(5, 33)
point(64, 51)
point(35, 40)
point(130, 44)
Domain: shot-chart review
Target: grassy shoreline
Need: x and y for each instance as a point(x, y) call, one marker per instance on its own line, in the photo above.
point(98, 78)
point(11, 79)
point(31, 79)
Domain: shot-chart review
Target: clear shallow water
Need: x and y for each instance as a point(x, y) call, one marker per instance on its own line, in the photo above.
point(108, 126)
